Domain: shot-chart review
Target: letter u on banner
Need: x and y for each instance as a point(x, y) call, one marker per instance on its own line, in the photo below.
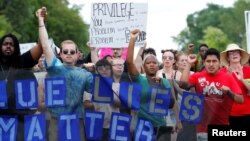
point(191, 107)
point(26, 94)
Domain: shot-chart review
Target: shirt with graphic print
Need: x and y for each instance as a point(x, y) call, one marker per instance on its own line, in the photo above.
point(217, 105)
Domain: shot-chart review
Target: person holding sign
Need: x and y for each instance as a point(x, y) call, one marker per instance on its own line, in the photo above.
point(148, 83)
point(69, 99)
point(219, 89)
point(15, 67)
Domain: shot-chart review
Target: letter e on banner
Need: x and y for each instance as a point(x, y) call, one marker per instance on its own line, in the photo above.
point(119, 127)
point(159, 100)
point(55, 92)
point(191, 107)
point(94, 125)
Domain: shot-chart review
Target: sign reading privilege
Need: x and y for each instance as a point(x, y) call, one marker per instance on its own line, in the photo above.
point(111, 23)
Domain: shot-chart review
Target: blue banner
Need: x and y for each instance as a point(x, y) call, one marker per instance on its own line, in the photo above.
point(159, 101)
point(26, 94)
point(129, 95)
point(8, 127)
point(191, 107)
point(68, 128)
point(94, 125)
point(55, 92)
point(102, 89)
point(119, 127)
point(35, 127)
point(3, 95)
point(144, 130)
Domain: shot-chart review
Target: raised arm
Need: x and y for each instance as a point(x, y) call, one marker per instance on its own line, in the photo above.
point(93, 53)
point(186, 73)
point(43, 36)
point(130, 54)
point(138, 59)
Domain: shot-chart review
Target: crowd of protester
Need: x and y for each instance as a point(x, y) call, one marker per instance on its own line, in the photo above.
point(222, 77)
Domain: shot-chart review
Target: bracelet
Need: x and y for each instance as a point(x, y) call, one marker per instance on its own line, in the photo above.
point(41, 25)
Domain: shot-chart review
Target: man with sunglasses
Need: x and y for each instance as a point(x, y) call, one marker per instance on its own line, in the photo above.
point(78, 80)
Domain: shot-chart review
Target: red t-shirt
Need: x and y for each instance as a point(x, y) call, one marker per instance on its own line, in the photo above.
point(217, 106)
point(244, 108)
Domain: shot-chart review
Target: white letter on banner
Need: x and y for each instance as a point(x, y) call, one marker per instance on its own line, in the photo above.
point(130, 93)
point(96, 91)
point(3, 103)
point(50, 91)
point(68, 127)
point(35, 129)
point(6, 127)
point(153, 101)
point(141, 132)
point(21, 94)
point(93, 117)
point(193, 107)
point(116, 127)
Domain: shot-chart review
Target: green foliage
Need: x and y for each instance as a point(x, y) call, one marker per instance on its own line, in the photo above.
point(63, 23)
point(228, 25)
point(215, 38)
point(5, 26)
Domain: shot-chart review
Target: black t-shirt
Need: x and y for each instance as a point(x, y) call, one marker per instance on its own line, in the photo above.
point(11, 74)
point(15, 74)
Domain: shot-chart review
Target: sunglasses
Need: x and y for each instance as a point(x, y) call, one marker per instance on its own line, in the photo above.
point(71, 52)
point(167, 57)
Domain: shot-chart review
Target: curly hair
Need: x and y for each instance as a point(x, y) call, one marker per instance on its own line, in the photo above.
point(14, 59)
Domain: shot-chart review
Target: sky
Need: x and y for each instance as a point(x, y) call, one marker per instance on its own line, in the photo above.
point(165, 18)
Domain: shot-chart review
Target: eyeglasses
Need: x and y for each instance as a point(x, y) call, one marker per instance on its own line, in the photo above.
point(118, 65)
point(71, 52)
point(167, 57)
point(103, 68)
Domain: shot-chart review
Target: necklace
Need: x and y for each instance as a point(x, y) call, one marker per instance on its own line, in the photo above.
point(4, 74)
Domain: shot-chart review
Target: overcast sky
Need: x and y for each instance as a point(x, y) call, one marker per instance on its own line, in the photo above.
point(165, 18)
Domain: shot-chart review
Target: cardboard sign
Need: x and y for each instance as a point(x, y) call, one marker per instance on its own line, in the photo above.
point(111, 23)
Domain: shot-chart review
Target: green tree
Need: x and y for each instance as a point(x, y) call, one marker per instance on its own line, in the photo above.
point(215, 38)
point(63, 22)
point(233, 22)
point(5, 26)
